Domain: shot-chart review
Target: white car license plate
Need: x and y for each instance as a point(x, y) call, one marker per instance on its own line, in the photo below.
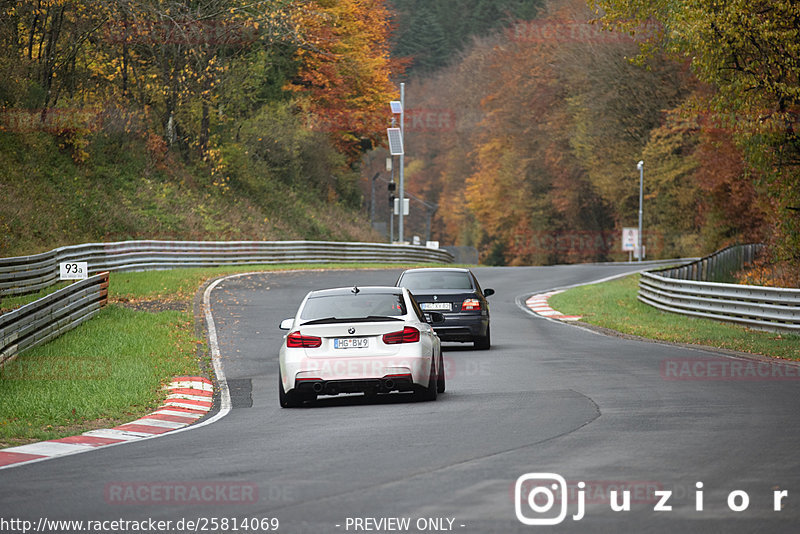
point(435, 306)
point(351, 343)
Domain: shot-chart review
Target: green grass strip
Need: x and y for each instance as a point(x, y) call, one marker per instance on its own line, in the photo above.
point(108, 371)
point(614, 305)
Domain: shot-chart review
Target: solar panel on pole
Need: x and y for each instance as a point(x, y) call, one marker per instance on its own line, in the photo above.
point(395, 141)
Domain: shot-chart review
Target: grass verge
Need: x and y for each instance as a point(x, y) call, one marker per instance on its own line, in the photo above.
point(107, 371)
point(112, 369)
point(614, 305)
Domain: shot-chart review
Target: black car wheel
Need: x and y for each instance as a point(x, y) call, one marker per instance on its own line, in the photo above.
point(440, 381)
point(431, 392)
point(483, 343)
point(287, 400)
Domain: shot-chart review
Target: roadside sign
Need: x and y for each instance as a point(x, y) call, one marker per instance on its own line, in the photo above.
point(73, 270)
point(397, 206)
point(630, 239)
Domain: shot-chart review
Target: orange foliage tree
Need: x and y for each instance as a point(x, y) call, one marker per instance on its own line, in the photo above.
point(344, 79)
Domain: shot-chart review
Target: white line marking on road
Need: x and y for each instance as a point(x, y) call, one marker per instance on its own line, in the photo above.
point(213, 343)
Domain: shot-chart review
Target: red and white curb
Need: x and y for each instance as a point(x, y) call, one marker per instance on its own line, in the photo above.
point(538, 304)
point(189, 399)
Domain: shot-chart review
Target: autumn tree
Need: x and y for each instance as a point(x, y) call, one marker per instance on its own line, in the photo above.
point(749, 53)
point(344, 79)
point(176, 56)
point(446, 152)
point(542, 140)
point(553, 113)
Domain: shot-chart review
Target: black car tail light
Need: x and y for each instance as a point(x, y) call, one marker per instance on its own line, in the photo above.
point(471, 305)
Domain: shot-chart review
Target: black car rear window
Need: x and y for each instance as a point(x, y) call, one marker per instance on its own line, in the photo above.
point(353, 306)
point(436, 280)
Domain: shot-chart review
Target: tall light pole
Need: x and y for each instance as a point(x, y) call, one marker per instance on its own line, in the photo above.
point(395, 136)
point(640, 166)
point(390, 164)
point(402, 162)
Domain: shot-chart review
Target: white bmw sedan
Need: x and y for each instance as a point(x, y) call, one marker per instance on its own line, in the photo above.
point(367, 340)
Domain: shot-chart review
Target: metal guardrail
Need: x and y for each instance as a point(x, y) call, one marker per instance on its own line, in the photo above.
point(678, 290)
point(48, 317)
point(27, 274)
point(720, 266)
point(51, 316)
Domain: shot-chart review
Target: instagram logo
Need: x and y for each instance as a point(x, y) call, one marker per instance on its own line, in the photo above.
point(542, 498)
point(535, 497)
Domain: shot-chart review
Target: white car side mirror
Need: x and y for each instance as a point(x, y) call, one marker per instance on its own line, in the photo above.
point(286, 324)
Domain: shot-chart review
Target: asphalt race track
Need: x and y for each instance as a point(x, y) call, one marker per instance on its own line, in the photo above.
point(547, 398)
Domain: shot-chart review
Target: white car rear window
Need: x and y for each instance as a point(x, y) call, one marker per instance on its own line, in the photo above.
point(352, 306)
point(436, 280)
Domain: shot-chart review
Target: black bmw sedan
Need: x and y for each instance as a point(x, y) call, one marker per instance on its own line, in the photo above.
point(456, 294)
